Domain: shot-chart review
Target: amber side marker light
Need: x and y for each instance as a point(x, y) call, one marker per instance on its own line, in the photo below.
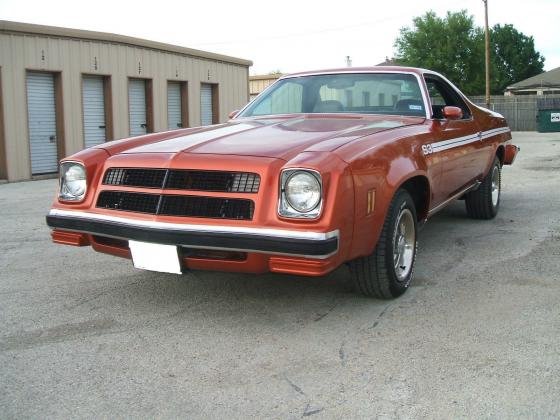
point(70, 238)
point(370, 201)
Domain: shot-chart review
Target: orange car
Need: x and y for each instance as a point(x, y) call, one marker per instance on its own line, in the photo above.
point(322, 168)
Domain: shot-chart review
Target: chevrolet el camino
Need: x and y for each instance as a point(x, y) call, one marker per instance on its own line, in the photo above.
point(321, 169)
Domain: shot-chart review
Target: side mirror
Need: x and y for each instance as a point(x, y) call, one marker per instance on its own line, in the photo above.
point(232, 114)
point(452, 113)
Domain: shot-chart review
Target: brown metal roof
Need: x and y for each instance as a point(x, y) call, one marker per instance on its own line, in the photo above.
point(58, 32)
point(271, 76)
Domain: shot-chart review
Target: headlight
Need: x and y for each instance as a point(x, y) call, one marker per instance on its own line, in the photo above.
point(72, 181)
point(301, 193)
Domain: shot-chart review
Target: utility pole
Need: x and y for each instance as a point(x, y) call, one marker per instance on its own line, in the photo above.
point(348, 61)
point(487, 48)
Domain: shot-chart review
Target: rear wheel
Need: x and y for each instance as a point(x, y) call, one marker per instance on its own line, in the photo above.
point(484, 202)
point(387, 272)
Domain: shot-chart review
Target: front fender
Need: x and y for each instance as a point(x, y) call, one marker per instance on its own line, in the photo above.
point(378, 180)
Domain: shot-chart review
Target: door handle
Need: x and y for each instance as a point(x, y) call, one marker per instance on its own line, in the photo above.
point(101, 126)
point(143, 125)
point(52, 138)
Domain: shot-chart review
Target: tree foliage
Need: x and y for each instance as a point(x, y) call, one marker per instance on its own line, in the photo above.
point(454, 46)
point(513, 57)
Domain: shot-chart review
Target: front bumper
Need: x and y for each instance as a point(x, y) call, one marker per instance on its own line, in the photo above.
point(318, 245)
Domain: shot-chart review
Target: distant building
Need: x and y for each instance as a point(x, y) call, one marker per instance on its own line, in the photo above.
point(388, 62)
point(62, 90)
point(542, 84)
point(259, 83)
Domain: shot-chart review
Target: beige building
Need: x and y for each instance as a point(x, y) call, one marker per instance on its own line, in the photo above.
point(259, 83)
point(62, 90)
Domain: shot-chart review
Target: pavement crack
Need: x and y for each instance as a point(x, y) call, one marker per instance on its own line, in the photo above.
point(342, 354)
point(309, 410)
point(378, 319)
point(321, 316)
point(294, 386)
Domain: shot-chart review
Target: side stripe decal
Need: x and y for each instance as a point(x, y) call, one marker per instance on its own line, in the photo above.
point(495, 132)
point(462, 141)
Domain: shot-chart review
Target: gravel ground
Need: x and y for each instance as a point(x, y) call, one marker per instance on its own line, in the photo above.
point(477, 335)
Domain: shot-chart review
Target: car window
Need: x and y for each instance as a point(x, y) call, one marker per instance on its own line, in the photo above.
point(435, 96)
point(287, 100)
point(367, 93)
point(441, 95)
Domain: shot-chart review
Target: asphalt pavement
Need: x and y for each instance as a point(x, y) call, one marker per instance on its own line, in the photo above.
point(477, 335)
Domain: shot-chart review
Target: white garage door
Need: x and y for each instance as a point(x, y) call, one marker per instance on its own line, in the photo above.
point(174, 118)
point(206, 104)
point(137, 107)
point(94, 110)
point(41, 114)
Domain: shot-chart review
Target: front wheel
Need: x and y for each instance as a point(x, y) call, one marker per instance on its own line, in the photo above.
point(483, 203)
point(386, 273)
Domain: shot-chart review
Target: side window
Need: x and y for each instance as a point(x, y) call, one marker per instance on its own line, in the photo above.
point(441, 95)
point(435, 96)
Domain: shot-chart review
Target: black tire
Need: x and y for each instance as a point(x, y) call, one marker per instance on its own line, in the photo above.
point(484, 202)
point(377, 275)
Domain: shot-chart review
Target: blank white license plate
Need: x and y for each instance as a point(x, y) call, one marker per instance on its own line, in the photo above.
point(155, 257)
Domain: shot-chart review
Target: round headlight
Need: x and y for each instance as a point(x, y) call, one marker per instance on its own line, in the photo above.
point(303, 191)
point(73, 181)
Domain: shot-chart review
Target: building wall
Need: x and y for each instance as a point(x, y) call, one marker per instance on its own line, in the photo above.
point(73, 57)
point(259, 83)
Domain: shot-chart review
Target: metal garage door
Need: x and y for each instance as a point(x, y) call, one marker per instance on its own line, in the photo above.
point(137, 107)
point(41, 112)
point(94, 110)
point(206, 104)
point(174, 117)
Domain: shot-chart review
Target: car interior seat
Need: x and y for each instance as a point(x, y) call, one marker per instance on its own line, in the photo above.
point(328, 106)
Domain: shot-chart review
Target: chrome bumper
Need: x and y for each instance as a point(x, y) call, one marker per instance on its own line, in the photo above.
point(268, 241)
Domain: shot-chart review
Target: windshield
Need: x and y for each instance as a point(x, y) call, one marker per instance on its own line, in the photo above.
point(363, 93)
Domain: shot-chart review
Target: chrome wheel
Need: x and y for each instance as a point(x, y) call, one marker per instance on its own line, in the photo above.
point(404, 242)
point(495, 185)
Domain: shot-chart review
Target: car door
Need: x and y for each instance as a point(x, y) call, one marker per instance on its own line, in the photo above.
point(456, 143)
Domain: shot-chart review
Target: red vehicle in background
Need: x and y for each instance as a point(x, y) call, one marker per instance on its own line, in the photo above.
point(322, 168)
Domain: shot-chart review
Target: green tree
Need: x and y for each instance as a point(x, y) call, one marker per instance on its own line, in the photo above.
point(454, 46)
point(513, 57)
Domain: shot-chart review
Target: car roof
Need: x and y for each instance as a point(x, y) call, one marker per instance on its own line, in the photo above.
point(372, 69)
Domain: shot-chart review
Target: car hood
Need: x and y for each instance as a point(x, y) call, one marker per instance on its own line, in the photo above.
point(279, 137)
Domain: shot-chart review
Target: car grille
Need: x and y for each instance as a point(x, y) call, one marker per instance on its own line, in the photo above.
point(132, 177)
point(177, 205)
point(184, 179)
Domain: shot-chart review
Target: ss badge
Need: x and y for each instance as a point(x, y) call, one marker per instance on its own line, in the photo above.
point(427, 149)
